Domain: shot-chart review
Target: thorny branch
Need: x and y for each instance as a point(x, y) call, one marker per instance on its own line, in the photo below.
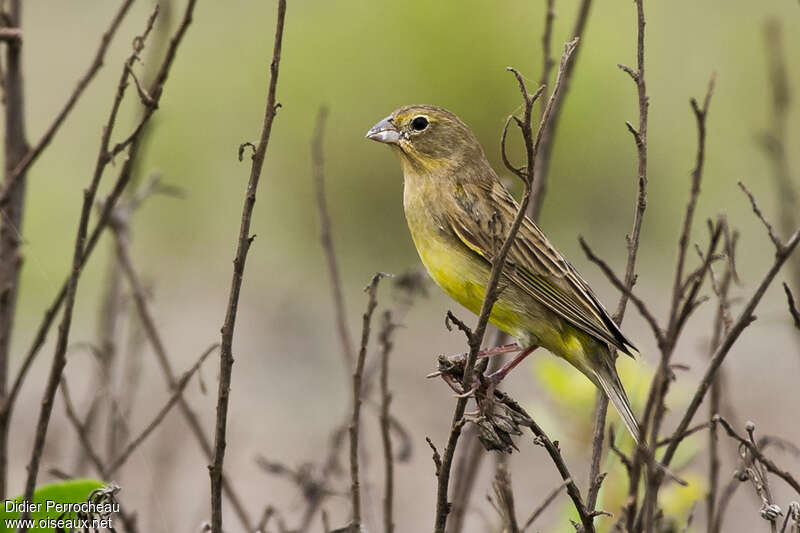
point(242, 247)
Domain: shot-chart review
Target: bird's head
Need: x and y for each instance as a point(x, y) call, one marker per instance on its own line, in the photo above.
point(428, 137)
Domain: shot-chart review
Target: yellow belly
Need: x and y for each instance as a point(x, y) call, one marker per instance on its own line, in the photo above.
point(464, 276)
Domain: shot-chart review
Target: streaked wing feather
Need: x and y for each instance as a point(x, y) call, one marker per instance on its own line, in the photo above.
point(539, 269)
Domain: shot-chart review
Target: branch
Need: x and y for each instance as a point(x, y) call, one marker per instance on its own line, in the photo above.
point(758, 455)
point(15, 146)
point(243, 245)
point(81, 430)
point(745, 318)
point(317, 165)
point(355, 488)
point(544, 505)
point(542, 167)
point(505, 499)
point(792, 306)
point(625, 290)
point(177, 394)
point(700, 114)
point(148, 323)
point(59, 357)
point(33, 154)
point(757, 210)
point(156, 88)
point(385, 339)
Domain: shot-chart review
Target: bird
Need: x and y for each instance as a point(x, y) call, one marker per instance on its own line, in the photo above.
point(458, 212)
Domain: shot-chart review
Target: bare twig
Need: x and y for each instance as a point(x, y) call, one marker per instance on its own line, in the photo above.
point(722, 323)
point(757, 210)
point(385, 340)
point(466, 472)
point(542, 166)
point(774, 140)
point(355, 486)
point(59, 357)
point(700, 114)
point(498, 263)
point(81, 430)
point(684, 301)
point(317, 162)
point(148, 323)
point(11, 216)
point(792, 306)
point(744, 319)
point(155, 90)
point(622, 287)
point(31, 155)
point(544, 505)
point(243, 245)
point(758, 455)
point(159, 417)
point(505, 499)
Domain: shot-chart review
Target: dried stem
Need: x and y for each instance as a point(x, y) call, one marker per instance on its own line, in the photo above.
point(11, 215)
point(242, 247)
point(774, 140)
point(30, 157)
point(542, 166)
point(792, 306)
point(544, 505)
point(745, 318)
point(758, 455)
point(355, 487)
point(177, 394)
point(123, 178)
point(81, 430)
point(317, 165)
point(104, 157)
point(721, 326)
point(505, 499)
point(385, 339)
point(153, 335)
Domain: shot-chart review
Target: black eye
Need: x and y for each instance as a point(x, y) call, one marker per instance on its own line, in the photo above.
point(419, 123)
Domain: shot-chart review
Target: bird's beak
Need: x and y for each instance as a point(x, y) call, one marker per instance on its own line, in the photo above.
point(384, 131)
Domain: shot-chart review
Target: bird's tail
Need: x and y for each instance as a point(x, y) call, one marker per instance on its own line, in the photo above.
point(612, 386)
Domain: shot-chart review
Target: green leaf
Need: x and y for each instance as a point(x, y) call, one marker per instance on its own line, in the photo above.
point(74, 491)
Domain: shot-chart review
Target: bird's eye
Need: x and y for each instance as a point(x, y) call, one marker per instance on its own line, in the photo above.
point(419, 123)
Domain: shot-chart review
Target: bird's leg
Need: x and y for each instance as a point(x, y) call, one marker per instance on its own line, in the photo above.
point(456, 362)
point(498, 375)
point(461, 358)
point(494, 379)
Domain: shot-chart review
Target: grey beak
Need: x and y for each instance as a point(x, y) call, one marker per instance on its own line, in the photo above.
point(384, 132)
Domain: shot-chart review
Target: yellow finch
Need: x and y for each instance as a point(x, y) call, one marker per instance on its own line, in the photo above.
point(458, 213)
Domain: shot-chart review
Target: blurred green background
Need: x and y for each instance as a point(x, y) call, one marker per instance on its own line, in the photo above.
point(364, 59)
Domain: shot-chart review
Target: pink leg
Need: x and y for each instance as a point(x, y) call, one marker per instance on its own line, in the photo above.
point(498, 376)
point(497, 350)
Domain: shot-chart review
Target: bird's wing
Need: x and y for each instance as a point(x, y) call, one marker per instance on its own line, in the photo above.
point(533, 264)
